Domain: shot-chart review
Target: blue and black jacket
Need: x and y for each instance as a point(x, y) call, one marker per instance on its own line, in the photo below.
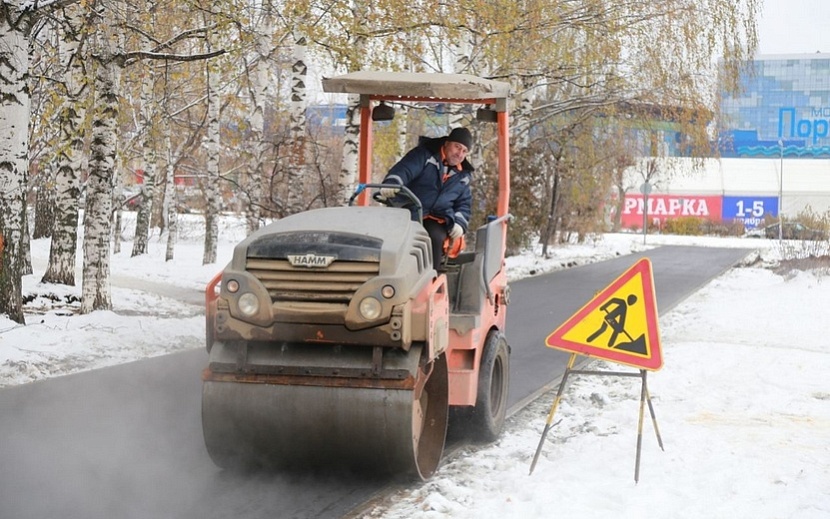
point(421, 170)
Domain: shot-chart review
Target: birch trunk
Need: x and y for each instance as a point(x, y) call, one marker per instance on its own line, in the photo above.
point(523, 112)
point(45, 205)
point(171, 214)
point(14, 163)
point(145, 208)
point(212, 179)
point(26, 248)
point(402, 120)
point(259, 94)
point(117, 211)
point(348, 166)
point(61, 268)
point(95, 293)
point(462, 62)
point(297, 162)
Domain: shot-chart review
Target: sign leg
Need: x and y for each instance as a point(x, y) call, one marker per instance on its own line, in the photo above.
point(552, 411)
point(640, 426)
point(654, 420)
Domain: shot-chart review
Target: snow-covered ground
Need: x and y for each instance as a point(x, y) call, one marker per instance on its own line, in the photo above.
point(742, 402)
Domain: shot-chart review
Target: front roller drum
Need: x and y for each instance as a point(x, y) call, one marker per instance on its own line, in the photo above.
point(376, 430)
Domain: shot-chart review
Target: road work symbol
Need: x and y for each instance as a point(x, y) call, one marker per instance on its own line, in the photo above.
point(615, 311)
point(618, 324)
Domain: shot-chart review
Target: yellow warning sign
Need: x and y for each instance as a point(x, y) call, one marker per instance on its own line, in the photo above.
point(619, 324)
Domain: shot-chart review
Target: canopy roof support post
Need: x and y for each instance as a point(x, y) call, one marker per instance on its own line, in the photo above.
point(365, 147)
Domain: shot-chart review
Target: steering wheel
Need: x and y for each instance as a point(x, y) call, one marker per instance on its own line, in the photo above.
point(409, 198)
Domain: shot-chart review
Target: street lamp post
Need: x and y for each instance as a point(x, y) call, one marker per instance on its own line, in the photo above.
point(645, 189)
point(781, 191)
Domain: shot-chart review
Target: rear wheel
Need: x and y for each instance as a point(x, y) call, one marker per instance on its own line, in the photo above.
point(487, 417)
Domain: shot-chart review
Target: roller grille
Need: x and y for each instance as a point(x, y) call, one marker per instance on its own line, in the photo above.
point(333, 285)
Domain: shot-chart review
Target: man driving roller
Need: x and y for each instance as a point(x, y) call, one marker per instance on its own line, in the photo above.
point(438, 173)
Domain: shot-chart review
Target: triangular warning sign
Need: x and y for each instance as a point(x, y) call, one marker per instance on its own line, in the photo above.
point(619, 324)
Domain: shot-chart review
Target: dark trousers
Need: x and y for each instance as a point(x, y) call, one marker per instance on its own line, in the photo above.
point(437, 234)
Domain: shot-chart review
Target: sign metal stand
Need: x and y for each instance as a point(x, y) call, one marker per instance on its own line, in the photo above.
point(644, 397)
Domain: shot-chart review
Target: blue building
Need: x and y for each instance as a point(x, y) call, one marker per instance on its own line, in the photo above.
point(783, 107)
point(332, 116)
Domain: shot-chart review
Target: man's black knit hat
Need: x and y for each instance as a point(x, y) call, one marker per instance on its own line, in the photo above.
point(463, 136)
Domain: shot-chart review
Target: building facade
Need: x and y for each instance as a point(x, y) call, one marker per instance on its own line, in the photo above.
point(774, 146)
point(783, 107)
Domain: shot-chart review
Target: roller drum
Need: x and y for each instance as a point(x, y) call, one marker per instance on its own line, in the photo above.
point(376, 430)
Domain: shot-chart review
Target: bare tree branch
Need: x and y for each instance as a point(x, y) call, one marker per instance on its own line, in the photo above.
point(131, 57)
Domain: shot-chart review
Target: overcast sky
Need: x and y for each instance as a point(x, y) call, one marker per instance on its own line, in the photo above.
point(794, 27)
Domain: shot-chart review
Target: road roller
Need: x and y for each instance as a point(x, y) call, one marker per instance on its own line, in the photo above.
point(332, 339)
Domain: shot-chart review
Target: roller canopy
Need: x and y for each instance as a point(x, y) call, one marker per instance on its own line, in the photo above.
point(416, 84)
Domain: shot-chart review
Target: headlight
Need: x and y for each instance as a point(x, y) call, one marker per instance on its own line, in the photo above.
point(233, 286)
point(248, 304)
point(370, 308)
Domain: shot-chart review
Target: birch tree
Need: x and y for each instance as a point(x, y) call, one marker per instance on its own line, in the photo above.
point(148, 148)
point(171, 214)
point(212, 147)
point(298, 156)
point(107, 56)
point(262, 29)
point(44, 124)
point(348, 168)
point(461, 65)
point(16, 19)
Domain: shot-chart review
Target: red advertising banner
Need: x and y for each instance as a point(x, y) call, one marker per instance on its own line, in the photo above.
point(663, 207)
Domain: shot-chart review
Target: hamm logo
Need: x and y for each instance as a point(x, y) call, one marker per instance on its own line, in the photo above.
point(310, 260)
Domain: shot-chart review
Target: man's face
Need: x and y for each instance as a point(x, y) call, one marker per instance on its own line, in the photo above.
point(454, 152)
